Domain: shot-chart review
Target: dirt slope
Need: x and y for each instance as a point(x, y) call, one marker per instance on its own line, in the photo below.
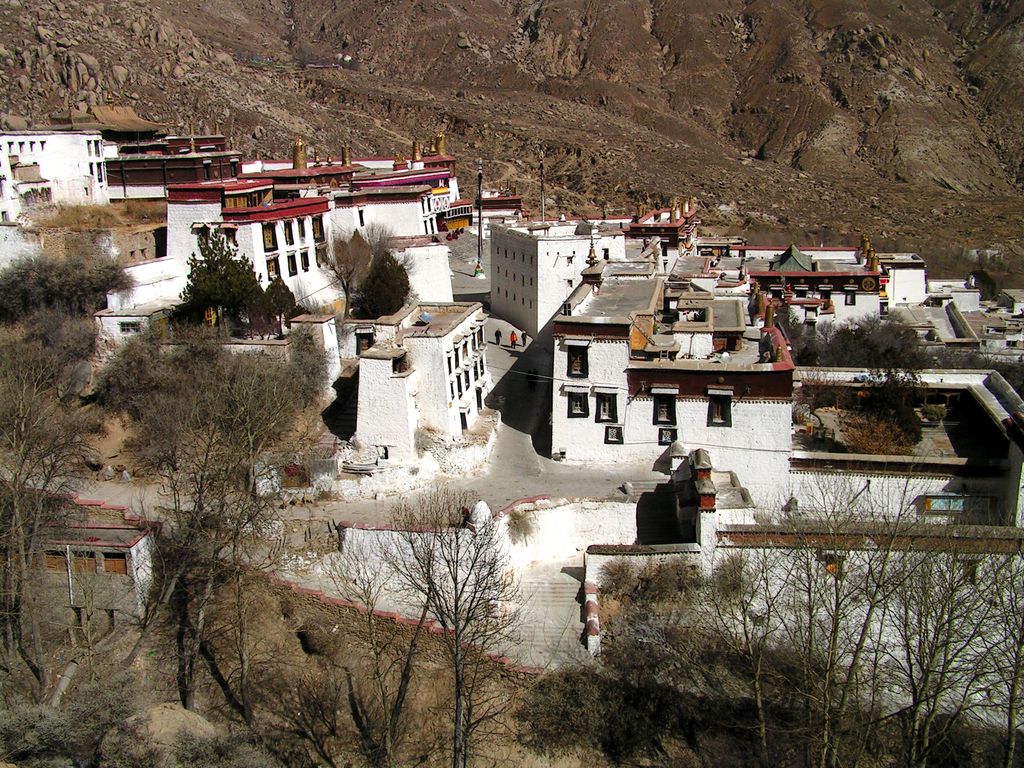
point(898, 117)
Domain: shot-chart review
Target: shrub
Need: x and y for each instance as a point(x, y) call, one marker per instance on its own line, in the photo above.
point(308, 366)
point(934, 411)
point(385, 288)
point(75, 286)
point(619, 578)
point(522, 523)
point(221, 751)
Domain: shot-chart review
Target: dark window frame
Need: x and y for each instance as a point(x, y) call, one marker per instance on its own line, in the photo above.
point(613, 435)
point(576, 354)
point(612, 400)
point(269, 243)
point(667, 435)
point(719, 410)
point(584, 402)
point(670, 402)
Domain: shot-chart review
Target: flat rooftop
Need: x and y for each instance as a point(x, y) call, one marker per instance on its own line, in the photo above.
point(617, 299)
point(141, 310)
point(425, 320)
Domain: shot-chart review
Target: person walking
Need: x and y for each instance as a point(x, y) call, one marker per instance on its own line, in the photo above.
point(497, 336)
point(512, 339)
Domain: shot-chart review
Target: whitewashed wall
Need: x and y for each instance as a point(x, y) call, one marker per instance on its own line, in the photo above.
point(430, 277)
point(386, 411)
point(907, 286)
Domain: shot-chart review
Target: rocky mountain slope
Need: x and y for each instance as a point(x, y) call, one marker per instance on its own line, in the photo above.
point(828, 117)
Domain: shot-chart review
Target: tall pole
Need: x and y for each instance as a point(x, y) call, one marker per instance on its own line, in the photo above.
point(542, 186)
point(479, 270)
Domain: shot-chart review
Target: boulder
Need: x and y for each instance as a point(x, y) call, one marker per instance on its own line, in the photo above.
point(91, 62)
point(14, 122)
point(119, 73)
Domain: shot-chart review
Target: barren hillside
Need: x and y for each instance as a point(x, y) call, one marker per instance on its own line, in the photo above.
point(900, 118)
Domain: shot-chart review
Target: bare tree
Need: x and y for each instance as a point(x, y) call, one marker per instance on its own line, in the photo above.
point(742, 610)
point(378, 693)
point(41, 443)
point(205, 447)
point(938, 621)
point(381, 239)
point(456, 565)
point(349, 260)
point(1004, 656)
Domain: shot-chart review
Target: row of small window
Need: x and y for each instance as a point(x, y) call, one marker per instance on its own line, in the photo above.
point(463, 350)
point(270, 232)
point(274, 267)
point(18, 147)
point(522, 279)
point(850, 297)
point(464, 382)
point(522, 256)
point(523, 301)
point(96, 171)
point(664, 411)
point(613, 435)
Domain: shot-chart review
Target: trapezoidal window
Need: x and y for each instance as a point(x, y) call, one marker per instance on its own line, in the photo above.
point(664, 409)
point(269, 238)
point(578, 405)
point(606, 407)
point(578, 366)
point(719, 411)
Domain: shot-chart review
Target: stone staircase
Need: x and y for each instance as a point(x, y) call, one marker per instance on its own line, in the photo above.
point(552, 625)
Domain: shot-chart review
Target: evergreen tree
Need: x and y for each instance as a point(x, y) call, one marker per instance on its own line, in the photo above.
point(385, 288)
point(219, 278)
point(281, 300)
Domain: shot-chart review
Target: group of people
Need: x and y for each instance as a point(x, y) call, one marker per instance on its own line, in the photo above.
point(513, 338)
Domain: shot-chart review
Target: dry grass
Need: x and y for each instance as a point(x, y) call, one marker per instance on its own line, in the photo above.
point(89, 218)
point(81, 218)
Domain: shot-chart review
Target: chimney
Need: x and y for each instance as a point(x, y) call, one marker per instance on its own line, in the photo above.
point(299, 161)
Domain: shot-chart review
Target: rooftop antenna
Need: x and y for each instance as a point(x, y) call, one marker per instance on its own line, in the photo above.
point(478, 271)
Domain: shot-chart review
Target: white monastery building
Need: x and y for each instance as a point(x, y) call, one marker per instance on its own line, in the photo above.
point(282, 217)
point(50, 167)
point(647, 371)
point(536, 266)
point(424, 367)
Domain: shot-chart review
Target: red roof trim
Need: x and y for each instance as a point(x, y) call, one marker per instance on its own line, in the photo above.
point(283, 209)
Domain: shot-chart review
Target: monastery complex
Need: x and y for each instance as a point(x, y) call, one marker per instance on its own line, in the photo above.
point(644, 342)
